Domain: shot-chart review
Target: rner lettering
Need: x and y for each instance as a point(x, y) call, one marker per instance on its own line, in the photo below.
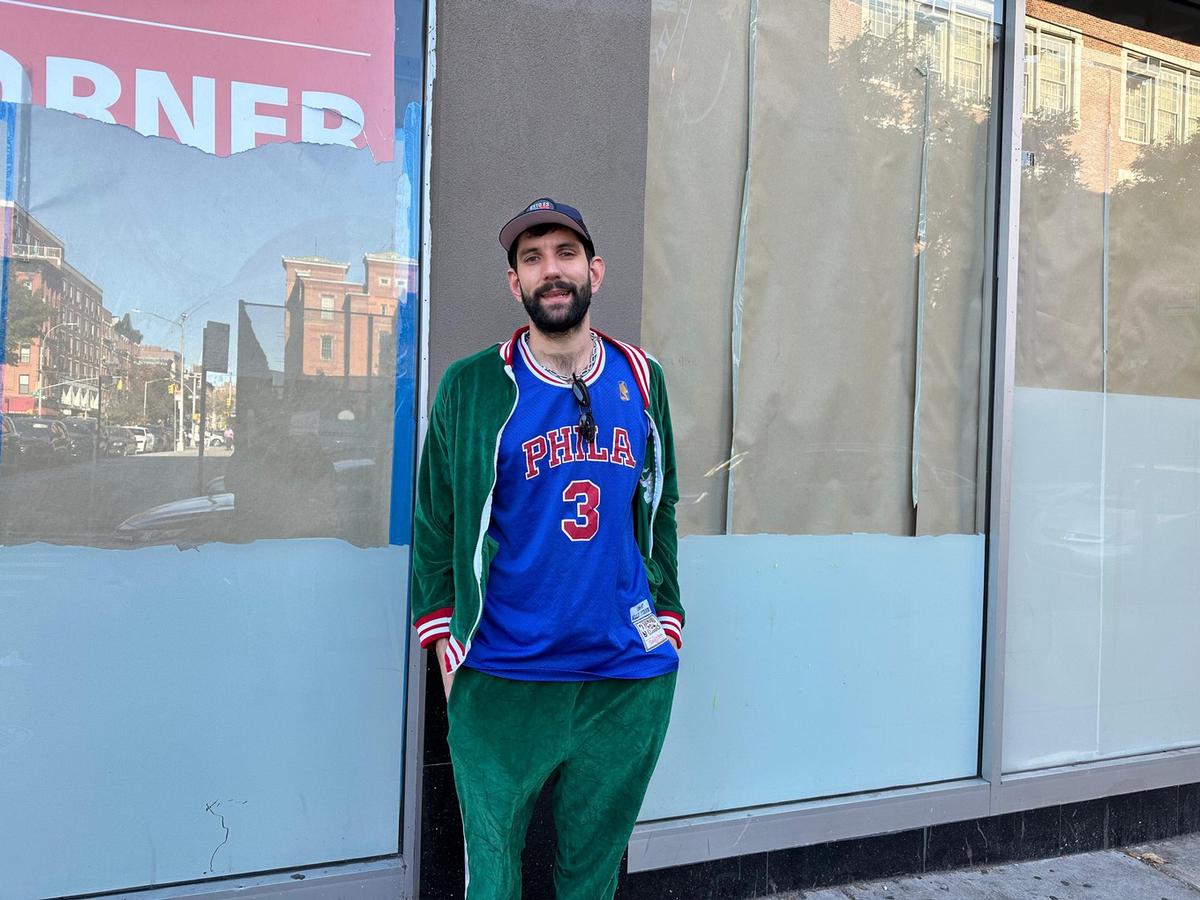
point(90, 89)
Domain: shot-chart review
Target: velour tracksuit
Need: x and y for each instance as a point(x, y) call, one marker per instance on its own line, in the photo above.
point(599, 726)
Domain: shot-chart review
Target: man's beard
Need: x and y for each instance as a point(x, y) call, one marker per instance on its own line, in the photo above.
point(561, 320)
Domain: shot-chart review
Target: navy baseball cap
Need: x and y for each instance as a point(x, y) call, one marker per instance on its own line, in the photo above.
point(542, 212)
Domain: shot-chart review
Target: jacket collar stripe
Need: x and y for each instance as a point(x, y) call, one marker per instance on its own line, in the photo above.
point(637, 362)
point(636, 356)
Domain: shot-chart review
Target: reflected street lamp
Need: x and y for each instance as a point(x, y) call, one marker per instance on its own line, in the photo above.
point(181, 323)
point(41, 350)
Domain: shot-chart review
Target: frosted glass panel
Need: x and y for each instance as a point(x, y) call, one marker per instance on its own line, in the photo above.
point(1104, 569)
point(819, 665)
point(152, 699)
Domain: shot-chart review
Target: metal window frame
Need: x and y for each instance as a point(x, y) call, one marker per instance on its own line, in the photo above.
point(663, 844)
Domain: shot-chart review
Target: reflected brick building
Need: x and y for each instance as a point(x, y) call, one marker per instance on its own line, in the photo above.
point(1111, 90)
point(335, 327)
point(77, 337)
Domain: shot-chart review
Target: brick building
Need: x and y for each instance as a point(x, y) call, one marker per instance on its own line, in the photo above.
point(335, 327)
point(1112, 89)
point(77, 337)
point(1143, 86)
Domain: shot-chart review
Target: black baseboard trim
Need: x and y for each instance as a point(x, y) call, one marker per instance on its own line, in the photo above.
point(1033, 834)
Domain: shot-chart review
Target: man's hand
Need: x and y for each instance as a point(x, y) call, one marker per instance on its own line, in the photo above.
point(439, 648)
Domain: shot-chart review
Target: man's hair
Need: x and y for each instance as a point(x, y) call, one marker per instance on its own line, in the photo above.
point(545, 228)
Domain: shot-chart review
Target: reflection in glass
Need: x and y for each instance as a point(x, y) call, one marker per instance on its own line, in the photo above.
point(203, 524)
point(1106, 488)
point(105, 340)
point(849, 277)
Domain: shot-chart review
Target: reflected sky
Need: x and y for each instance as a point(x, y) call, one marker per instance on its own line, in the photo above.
point(164, 227)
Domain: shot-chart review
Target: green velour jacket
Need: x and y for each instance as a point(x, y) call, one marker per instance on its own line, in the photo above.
point(452, 550)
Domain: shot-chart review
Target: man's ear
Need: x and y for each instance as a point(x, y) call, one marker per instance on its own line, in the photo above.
point(596, 268)
point(514, 285)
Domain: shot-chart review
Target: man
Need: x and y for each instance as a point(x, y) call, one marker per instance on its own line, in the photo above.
point(544, 561)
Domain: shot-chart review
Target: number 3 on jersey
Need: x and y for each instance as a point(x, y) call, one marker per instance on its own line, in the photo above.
point(586, 521)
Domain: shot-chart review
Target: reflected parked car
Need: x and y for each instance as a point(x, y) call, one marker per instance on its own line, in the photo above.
point(12, 448)
point(120, 443)
point(194, 520)
point(197, 520)
point(45, 441)
point(83, 436)
point(138, 433)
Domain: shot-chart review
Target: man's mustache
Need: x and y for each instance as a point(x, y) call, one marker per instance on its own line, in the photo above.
point(543, 290)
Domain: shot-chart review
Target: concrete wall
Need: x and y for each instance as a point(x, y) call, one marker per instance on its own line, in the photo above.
point(534, 98)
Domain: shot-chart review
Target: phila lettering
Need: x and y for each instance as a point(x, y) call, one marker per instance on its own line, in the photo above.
point(562, 445)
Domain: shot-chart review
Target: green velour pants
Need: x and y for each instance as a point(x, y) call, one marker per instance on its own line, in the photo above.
point(508, 737)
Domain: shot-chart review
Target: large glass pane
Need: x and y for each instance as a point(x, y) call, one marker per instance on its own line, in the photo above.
point(824, 336)
point(1103, 570)
point(208, 374)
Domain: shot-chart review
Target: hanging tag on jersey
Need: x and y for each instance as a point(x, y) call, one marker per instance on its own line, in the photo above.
point(646, 622)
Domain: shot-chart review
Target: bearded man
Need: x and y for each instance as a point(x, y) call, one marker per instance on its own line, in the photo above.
point(545, 571)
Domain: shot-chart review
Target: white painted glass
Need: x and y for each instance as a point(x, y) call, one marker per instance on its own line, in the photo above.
point(1104, 567)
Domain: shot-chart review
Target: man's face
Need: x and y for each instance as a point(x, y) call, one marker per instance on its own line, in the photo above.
point(554, 279)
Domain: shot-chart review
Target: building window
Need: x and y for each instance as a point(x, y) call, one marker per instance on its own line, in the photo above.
point(971, 41)
point(1168, 106)
point(25, 352)
point(1049, 71)
point(23, 384)
point(1138, 86)
point(1161, 101)
point(385, 281)
point(1193, 106)
point(327, 346)
point(884, 18)
point(957, 46)
point(327, 307)
point(383, 310)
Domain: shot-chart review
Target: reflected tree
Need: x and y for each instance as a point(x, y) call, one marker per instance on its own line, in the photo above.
point(26, 318)
point(1166, 172)
point(146, 385)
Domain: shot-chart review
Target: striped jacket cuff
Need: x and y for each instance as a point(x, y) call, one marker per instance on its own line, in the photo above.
point(672, 624)
point(434, 626)
point(454, 655)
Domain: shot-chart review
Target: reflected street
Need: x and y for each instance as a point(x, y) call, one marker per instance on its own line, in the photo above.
point(65, 505)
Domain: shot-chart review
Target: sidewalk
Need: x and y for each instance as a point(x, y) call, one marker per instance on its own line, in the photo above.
point(1164, 870)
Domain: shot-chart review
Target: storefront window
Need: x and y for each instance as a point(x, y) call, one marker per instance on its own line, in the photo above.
point(819, 220)
point(205, 472)
point(1105, 483)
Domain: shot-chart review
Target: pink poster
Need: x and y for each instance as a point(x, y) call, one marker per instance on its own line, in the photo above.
point(220, 75)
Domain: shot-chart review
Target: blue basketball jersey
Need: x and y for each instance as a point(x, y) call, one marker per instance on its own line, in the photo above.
point(566, 595)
